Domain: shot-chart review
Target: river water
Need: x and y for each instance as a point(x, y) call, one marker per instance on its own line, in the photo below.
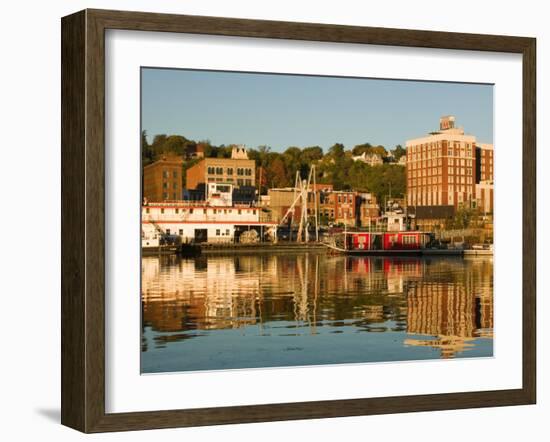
point(296, 309)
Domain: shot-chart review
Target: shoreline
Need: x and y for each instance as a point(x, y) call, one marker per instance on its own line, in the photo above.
point(263, 248)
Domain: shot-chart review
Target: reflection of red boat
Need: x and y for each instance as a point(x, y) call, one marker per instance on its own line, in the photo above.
point(380, 243)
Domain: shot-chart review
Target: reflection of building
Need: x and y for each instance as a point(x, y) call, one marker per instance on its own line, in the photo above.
point(162, 180)
point(452, 314)
point(237, 170)
point(302, 293)
point(440, 309)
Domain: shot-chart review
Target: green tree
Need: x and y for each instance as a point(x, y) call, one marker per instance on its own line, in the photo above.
point(361, 148)
point(398, 152)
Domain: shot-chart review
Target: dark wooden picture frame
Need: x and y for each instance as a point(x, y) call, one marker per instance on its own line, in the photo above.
point(83, 220)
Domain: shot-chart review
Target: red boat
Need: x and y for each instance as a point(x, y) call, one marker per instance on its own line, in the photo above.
point(380, 243)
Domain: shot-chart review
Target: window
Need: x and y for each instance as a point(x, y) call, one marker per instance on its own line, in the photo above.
point(174, 185)
point(239, 171)
point(147, 210)
point(210, 170)
point(229, 171)
point(181, 232)
point(227, 232)
point(174, 196)
point(162, 210)
point(165, 174)
point(217, 232)
point(219, 170)
point(204, 211)
point(168, 231)
point(239, 211)
point(175, 173)
point(191, 211)
point(177, 210)
point(249, 182)
point(165, 185)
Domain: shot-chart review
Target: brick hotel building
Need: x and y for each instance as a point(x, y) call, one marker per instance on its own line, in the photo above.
point(441, 167)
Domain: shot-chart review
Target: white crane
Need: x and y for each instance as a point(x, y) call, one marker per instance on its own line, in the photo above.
point(301, 191)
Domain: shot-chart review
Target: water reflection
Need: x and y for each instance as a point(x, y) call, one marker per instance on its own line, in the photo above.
point(328, 309)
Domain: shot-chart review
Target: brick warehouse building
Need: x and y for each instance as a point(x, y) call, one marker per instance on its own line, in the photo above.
point(237, 170)
point(162, 180)
point(485, 177)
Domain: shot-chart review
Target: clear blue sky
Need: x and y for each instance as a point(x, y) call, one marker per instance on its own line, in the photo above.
point(290, 110)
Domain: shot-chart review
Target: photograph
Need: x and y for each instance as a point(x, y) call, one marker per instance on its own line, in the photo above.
point(302, 220)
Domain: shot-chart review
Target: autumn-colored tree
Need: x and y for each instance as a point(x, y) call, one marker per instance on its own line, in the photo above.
point(276, 173)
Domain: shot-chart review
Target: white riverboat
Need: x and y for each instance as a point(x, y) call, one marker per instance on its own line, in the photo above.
point(217, 219)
